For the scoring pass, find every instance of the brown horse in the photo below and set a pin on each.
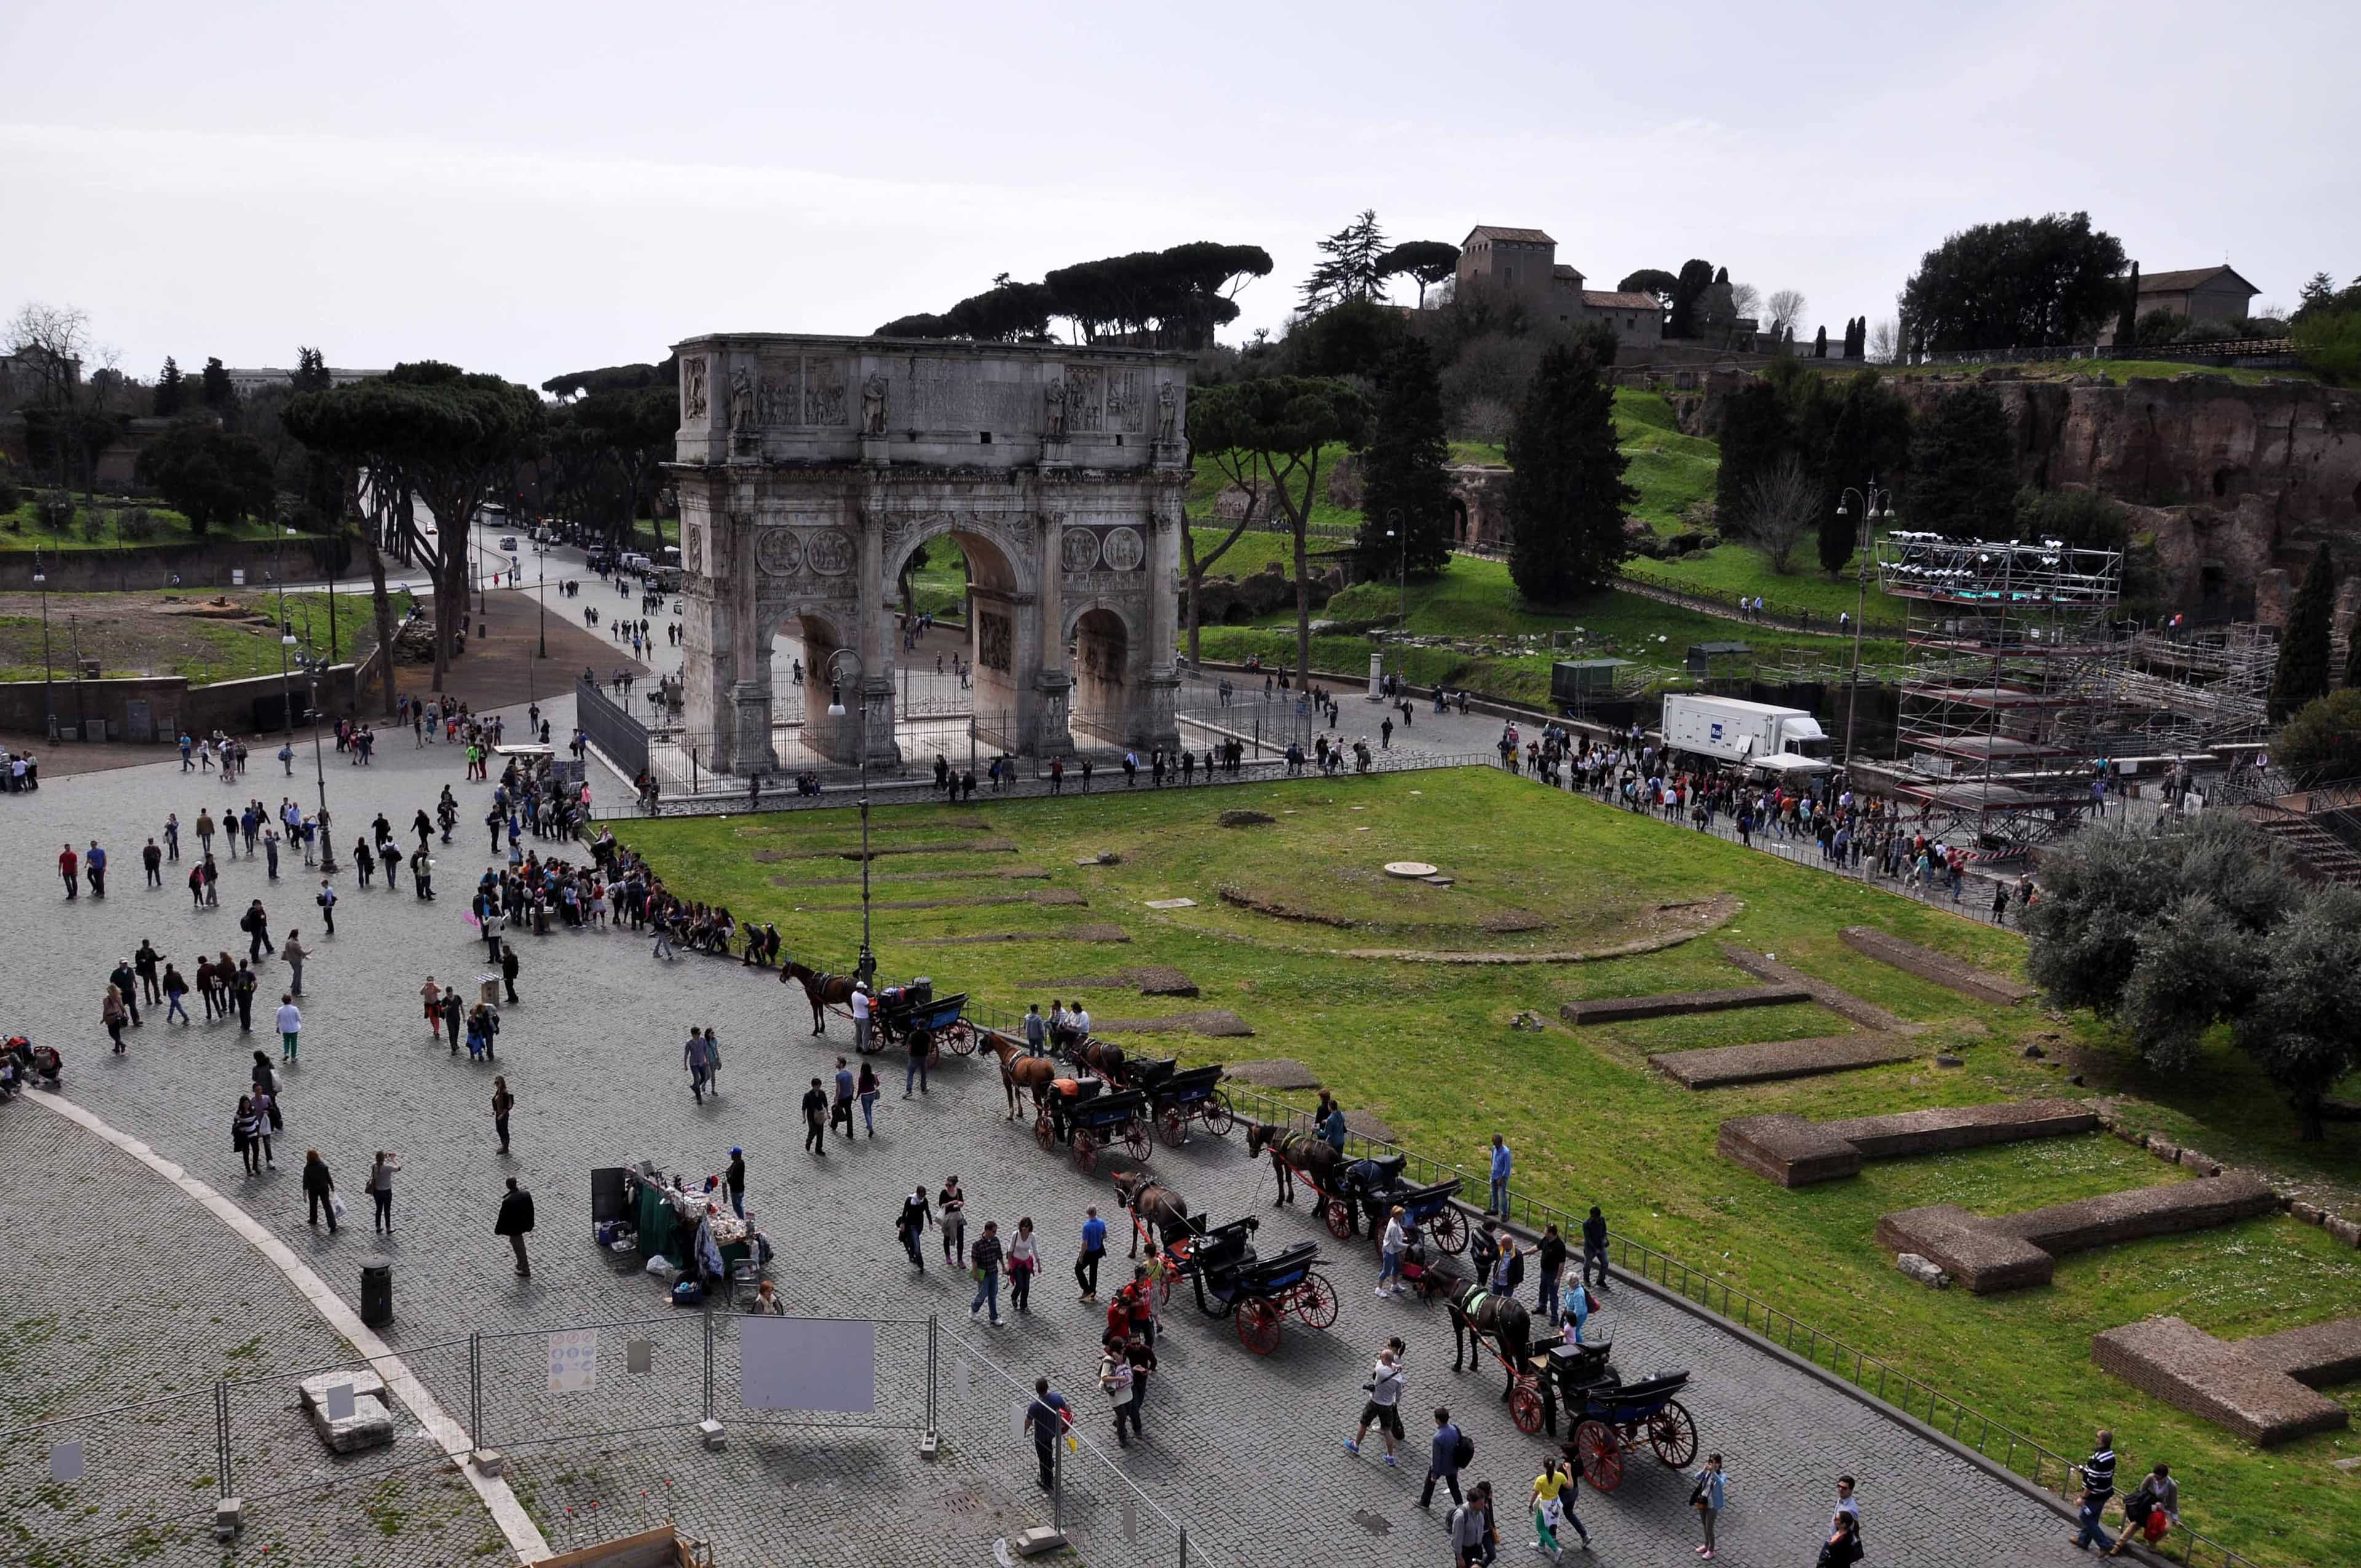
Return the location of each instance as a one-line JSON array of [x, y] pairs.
[[1017, 1071], [819, 990], [1154, 1204], [1102, 1057], [1478, 1315], [1291, 1152]]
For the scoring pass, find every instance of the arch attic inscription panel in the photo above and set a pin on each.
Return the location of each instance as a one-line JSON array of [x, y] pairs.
[[809, 470]]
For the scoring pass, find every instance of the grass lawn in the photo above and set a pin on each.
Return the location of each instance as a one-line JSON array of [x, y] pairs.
[[17, 531], [1732, 568], [1431, 1048], [179, 632]]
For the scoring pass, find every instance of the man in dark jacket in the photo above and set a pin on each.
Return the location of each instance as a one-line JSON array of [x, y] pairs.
[[126, 982], [509, 971], [515, 1222], [1550, 1261], [816, 1119], [1594, 1247]]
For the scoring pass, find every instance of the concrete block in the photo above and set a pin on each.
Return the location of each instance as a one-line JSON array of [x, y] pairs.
[[1965, 979], [1973, 1251], [489, 1462], [2346, 1230], [2189, 1368], [1721, 1065], [1037, 1540], [1788, 1149], [1679, 1004], [711, 1434], [2319, 1355], [371, 1424], [229, 1517], [2165, 1149], [2309, 1213], [1923, 1270]]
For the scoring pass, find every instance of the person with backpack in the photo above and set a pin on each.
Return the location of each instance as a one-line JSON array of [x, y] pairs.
[[1471, 1529], [1382, 1410], [2153, 1509], [1450, 1451]]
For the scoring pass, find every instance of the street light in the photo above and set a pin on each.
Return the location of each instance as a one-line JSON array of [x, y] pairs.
[[48, 688], [1870, 498], [866, 968]]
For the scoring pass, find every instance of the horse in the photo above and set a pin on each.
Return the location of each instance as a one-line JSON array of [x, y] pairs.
[[1102, 1057], [1476, 1312], [1432, 1272], [1153, 1203], [819, 990], [1019, 1070], [1290, 1152]]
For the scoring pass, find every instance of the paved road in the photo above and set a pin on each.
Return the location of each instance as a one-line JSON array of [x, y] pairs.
[[1248, 1451]]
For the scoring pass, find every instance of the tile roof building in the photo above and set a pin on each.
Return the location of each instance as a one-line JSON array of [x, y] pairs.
[[1524, 262]]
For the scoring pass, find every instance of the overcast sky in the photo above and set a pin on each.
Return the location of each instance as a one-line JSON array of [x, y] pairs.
[[532, 187]]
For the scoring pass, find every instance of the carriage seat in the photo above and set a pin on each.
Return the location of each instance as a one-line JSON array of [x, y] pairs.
[[1662, 1383], [1296, 1257]]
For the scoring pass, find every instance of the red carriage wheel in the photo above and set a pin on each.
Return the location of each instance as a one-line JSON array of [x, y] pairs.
[[1086, 1150], [1314, 1301], [1339, 1218], [1672, 1434], [1136, 1141], [1219, 1119], [1259, 1324], [1173, 1127], [1164, 1286], [1449, 1228], [1043, 1133], [960, 1038], [1602, 1452], [1525, 1406]]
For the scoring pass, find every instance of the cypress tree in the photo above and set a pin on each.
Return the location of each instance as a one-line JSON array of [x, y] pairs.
[[2352, 658], [1404, 471], [1820, 343], [1754, 431], [1963, 466], [172, 390], [1567, 494], [2302, 672], [2127, 324]]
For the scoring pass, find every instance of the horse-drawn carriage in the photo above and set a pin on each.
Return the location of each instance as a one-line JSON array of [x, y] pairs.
[[900, 1009], [1179, 1096], [1231, 1280], [1611, 1419], [1095, 1117]]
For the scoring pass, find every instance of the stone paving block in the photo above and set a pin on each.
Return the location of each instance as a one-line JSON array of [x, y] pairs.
[[1768, 1062], [2008, 1251], [2221, 1381], [1965, 979], [1679, 1004]]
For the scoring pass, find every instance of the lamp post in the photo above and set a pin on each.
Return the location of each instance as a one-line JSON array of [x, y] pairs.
[[320, 775], [1871, 497], [866, 968], [48, 688]]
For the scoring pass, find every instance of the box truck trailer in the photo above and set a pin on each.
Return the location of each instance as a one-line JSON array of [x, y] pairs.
[[1750, 734]]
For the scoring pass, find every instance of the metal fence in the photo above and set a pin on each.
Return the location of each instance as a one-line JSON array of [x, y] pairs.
[[612, 728], [1926, 1406]]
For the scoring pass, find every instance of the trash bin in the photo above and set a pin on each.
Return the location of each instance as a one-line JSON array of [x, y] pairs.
[[376, 1294]]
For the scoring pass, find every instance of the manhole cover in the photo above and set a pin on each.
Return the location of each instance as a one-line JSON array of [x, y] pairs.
[[1409, 869]]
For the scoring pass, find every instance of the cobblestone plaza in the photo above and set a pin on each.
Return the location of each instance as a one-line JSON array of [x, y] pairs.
[[121, 1286]]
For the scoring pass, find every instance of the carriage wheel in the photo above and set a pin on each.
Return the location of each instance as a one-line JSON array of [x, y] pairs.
[[1339, 1218], [1672, 1435], [1314, 1301], [1601, 1453], [1136, 1141], [1043, 1133], [1525, 1406], [1219, 1119], [1259, 1324], [1086, 1151], [962, 1038], [1173, 1127], [1164, 1286], [1449, 1228]]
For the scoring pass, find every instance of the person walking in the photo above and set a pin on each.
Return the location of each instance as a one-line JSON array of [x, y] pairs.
[[380, 1190], [125, 978], [1497, 1203], [94, 869], [1024, 1262], [698, 1058], [983, 1266], [1382, 1409], [2153, 1509], [1086, 1263], [508, 972], [114, 1015], [2098, 1486], [1549, 1261], [70, 868], [912, 1226], [1446, 1452], [1554, 1491], [242, 986], [839, 1108], [733, 1181], [951, 1217], [1047, 1419], [175, 987], [503, 1103], [1594, 1247], [327, 899], [816, 1119], [1709, 1497], [291, 1025], [1471, 1527], [1114, 1382], [455, 1014], [294, 952], [920, 1043], [515, 1222], [246, 1135], [152, 859], [868, 1092], [1390, 1255], [319, 1189]]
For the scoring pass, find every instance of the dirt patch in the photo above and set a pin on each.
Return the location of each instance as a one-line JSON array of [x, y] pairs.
[[1240, 899], [1148, 979], [1050, 896], [1091, 933], [1275, 1072], [1244, 819], [1216, 1022], [805, 829], [1508, 922], [1370, 1124], [1011, 873], [955, 847]]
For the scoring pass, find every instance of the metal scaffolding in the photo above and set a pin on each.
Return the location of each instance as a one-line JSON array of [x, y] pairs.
[[2013, 680]]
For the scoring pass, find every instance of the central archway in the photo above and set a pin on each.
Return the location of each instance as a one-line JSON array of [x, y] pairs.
[[999, 642], [1100, 664]]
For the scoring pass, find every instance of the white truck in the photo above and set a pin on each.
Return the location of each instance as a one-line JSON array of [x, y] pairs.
[[1752, 735]]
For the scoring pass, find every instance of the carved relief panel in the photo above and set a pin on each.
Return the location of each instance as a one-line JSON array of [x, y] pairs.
[[994, 640]]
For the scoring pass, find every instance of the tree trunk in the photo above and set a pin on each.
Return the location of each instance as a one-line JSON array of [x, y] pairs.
[[384, 604], [2308, 1117], [1196, 566]]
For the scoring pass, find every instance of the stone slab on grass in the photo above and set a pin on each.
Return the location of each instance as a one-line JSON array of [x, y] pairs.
[[1148, 979], [1965, 979], [1215, 1021], [1844, 1003], [1679, 1004], [2319, 1355], [1794, 1152], [1275, 1072], [1088, 933], [2008, 1251], [1368, 1124], [1768, 1062], [2221, 1381]]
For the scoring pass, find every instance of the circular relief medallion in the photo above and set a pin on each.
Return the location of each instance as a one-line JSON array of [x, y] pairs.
[[828, 552], [779, 552], [1079, 549], [1125, 550]]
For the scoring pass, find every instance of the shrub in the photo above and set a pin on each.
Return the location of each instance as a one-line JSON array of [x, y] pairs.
[[53, 513], [2323, 742], [135, 524]]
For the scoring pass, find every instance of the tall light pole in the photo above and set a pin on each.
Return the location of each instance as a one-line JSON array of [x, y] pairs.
[[320, 774], [1870, 497], [866, 968], [49, 689]]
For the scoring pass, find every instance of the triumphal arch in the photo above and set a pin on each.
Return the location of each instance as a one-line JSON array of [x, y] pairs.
[[810, 469]]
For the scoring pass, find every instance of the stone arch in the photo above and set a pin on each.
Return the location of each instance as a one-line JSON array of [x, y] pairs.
[[1458, 521], [1106, 649], [820, 631], [1000, 594]]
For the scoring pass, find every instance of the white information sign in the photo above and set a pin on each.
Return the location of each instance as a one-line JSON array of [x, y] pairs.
[[573, 1361]]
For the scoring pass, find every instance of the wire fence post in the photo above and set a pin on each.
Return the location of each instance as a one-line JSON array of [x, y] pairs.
[[934, 1327], [475, 1390], [709, 1363], [1057, 1482], [221, 1438], [1184, 1546]]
